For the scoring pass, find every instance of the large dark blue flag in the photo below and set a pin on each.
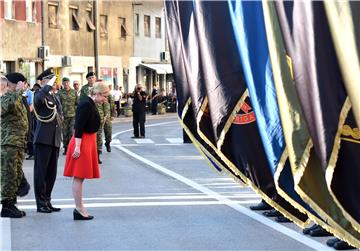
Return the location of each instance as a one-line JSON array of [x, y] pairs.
[[249, 27]]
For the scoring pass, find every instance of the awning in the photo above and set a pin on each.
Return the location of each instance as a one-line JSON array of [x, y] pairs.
[[160, 68]]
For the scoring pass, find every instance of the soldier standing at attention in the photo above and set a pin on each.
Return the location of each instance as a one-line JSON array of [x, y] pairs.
[[69, 101], [14, 128], [85, 90], [47, 140], [110, 113]]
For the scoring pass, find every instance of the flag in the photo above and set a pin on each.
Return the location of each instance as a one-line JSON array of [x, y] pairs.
[[325, 105], [232, 117], [309, 177], [344, 21], [249, 27], [185, 111]]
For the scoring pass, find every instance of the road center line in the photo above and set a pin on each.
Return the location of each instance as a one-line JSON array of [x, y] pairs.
[[276, 226]]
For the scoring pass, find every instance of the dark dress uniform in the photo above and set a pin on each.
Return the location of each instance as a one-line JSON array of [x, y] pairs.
[[47, 140], [138, 110]]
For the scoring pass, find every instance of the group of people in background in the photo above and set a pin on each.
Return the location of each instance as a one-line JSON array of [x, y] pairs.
[[39, 120]]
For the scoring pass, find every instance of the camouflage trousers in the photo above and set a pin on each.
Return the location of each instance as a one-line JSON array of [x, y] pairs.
[[99, 139], [108, 130], [68, 130], [12, 158]]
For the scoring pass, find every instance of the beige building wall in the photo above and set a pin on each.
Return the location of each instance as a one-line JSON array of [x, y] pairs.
[[114, 50]]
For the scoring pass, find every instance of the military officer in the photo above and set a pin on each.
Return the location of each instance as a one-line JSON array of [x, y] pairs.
[[47, 140], [110, 113], [14, 129], [69, 100], [85, 90]]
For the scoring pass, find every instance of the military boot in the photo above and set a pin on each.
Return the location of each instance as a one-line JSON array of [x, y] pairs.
[[9, 210], [99, 160], [24, 187], [108, 147]]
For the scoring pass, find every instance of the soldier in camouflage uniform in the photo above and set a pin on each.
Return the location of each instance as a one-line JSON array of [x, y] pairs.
[[14, 129], [69, 101], [85, 90], [109, 109], [99, 135]]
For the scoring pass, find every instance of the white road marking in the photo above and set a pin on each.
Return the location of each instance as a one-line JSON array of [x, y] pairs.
[[144, 141], [5, 234], [146, 204], [181, 197], [115, 142], [276, 226], [175, 140]]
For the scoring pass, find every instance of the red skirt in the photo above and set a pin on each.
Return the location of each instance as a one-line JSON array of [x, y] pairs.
[[86, 166]]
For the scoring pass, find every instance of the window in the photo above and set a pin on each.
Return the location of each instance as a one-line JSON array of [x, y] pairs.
[[29, 10], [123, 30], [9, 10], [158, 27], [137, 24], [103, 26], [74, 21], [33, 9], [89, 20], [53, 15], [147, 26]]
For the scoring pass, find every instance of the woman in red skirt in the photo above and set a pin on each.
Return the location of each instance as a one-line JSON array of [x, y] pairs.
[[81, 157]]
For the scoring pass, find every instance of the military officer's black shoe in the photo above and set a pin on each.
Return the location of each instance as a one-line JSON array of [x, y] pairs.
[[308, 229], [319, 232], [108, 147], [54, 209], [44, 209], [342, 245], [261, 206], [282, 219], [331, 242], [272, 213]]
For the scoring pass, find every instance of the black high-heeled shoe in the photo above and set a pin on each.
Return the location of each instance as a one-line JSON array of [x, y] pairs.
[[78, 216]]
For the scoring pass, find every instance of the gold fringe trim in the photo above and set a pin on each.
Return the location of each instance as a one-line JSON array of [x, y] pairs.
[[333, 159], [335, 228], [231, 118], [241, 176]]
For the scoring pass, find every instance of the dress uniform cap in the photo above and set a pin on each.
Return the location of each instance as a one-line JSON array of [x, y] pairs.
[[15, 77], [90, 74], [65, 79], [47, 74]]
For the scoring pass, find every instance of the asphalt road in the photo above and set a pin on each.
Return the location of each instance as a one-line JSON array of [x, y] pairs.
[[154, 194]]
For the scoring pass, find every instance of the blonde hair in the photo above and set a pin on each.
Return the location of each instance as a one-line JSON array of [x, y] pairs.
[[99, 87]]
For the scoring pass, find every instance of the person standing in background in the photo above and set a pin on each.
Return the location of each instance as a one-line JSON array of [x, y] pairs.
[[69, 101], [138, 109], [154, 100], [76, 85]]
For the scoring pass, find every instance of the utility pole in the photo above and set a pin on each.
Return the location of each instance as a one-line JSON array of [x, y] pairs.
[[96, 37], [43, 31]]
